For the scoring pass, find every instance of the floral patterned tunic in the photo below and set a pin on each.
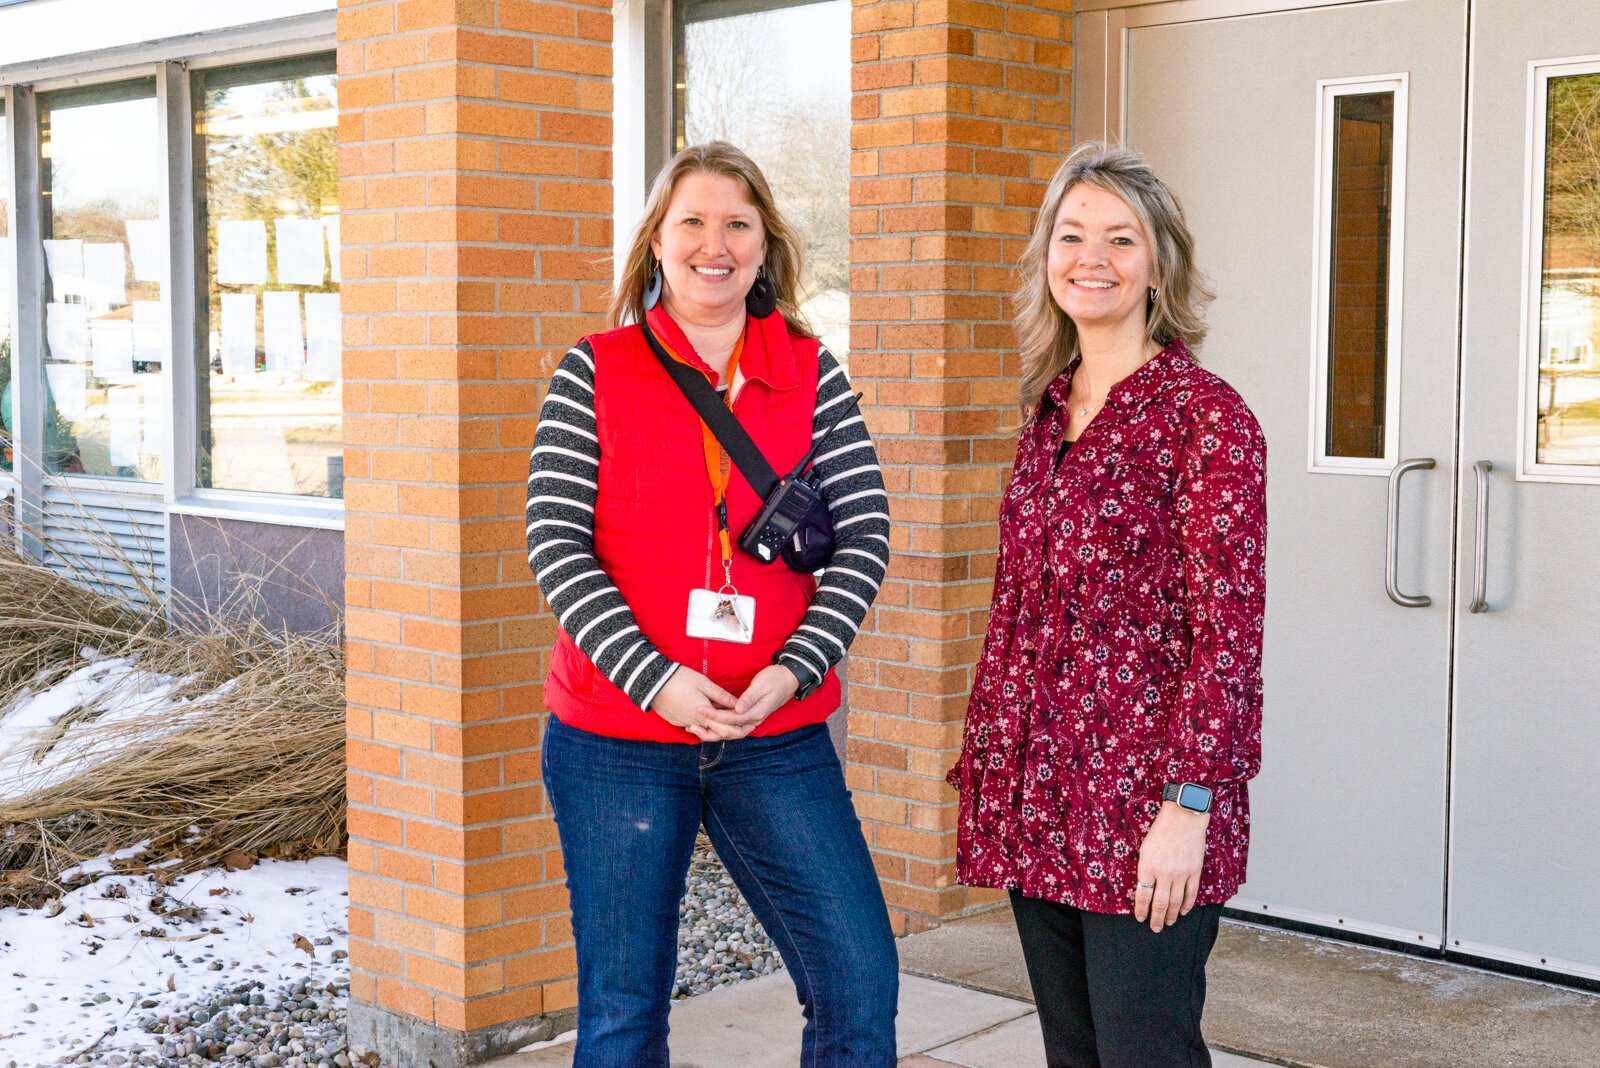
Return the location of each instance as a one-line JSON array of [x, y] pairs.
[[1124, 644]]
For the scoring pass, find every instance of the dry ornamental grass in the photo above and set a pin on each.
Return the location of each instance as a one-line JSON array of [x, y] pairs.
[[241, 755]]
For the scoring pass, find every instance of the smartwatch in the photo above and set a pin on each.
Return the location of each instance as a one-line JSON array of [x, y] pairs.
[[1188, 795], [808, 682]]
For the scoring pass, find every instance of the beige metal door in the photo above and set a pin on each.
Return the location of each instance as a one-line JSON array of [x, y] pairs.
[[1240, 114]]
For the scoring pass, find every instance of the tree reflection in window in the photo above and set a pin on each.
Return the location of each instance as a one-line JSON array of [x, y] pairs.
[[269, 413], [1569, 299]]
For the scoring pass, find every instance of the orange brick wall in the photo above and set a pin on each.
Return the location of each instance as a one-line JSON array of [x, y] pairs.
[[475, 165], [961, 115]]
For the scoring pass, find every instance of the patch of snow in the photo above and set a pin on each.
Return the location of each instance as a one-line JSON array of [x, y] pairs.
[[102, 865], [560, 1040], [106, 940], [123, 692]]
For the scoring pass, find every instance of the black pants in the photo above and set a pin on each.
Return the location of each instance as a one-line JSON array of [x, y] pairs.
[[1111, 993]]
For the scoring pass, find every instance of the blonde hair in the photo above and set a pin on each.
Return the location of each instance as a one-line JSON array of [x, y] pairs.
[[782, 260], [1046, 337]]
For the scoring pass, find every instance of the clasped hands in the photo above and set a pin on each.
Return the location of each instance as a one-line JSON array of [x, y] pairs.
[[712, 714]]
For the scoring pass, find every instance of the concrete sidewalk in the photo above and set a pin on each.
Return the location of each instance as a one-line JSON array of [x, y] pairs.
[[1286, 999], [757, 1025], [1310, 1002]]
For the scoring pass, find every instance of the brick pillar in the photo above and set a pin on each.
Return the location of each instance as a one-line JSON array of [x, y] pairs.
[[961, 114], [475, 166]]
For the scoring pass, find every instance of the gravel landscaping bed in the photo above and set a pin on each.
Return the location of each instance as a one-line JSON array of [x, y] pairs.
[[302, 1024], [719, 940]]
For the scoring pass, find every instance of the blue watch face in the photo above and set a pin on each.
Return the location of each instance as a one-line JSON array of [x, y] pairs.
[[1197, 798]]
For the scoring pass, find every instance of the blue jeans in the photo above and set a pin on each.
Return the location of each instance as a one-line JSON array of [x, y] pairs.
[[780, 817]]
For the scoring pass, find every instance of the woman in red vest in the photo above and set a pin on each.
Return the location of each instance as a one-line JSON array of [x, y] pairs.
[[1115, 718], [690, 680]]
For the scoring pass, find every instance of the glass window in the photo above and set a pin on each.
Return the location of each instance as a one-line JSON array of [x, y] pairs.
[[269, 411], [104, 244], [8, 267], [1569, 289], [777, 84], [1358, 283]]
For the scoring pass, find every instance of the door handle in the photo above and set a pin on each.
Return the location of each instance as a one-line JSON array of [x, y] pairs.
[[1392, 538], [1480, 558]]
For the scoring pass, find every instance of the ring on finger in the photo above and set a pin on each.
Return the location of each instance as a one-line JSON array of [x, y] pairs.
[[1147, 886]]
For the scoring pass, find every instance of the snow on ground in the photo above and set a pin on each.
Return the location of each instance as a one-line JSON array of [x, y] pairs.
[[35, 753], [126, 947]]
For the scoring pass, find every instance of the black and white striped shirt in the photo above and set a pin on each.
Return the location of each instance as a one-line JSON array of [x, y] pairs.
[[562, 486]]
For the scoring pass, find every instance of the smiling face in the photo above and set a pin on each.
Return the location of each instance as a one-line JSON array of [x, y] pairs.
[[1101, 264], [710, 245]]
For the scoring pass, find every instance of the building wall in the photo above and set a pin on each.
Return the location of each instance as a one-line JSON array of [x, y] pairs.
[[45, 31], [475, 157], [287, 577], [961, 115]]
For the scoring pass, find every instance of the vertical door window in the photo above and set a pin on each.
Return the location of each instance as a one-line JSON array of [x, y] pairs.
[[104, 249], [8, 281], [1568, 294], [1362, 141], [269, 409], [776, 83]]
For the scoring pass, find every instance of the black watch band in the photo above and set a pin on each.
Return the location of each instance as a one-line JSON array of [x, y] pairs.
[[808, 682], [1189, 795]]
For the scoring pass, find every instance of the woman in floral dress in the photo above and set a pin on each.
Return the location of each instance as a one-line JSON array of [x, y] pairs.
[[1116, 715]]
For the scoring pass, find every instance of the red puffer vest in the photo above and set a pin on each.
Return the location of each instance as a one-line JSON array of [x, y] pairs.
[[654, 529]]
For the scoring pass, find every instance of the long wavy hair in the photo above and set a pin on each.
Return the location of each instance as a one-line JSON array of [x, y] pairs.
[[782, 260], [1047, 337]]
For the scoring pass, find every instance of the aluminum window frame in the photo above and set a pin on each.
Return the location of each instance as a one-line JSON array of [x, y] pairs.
[[1540, 73], [171, 63], [1329, 90], [192, 498]]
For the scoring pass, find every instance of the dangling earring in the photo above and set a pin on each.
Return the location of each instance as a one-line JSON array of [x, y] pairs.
[[762, 300], [652, 289], [1154, 293]]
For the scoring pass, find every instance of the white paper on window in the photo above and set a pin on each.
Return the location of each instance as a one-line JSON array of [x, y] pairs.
[[239, 333], [65, 260], [242, 252], [149, 331], [300, 260], [69, 387], [155, 408], [127, 433], [111, 343], [331, 225], [147, 245], [66, 328], [280, 327], [324, 338], [105, 269]]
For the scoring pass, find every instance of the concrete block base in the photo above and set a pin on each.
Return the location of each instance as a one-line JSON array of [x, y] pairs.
[[402, 1041]]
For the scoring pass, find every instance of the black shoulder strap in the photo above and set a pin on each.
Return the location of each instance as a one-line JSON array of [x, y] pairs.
[[733, 437]]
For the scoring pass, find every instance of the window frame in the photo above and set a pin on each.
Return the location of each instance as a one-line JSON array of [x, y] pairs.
[[171, 64], [1540, 73], [1329, 91]]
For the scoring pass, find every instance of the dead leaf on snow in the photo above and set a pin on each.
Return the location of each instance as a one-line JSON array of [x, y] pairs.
[[239, 860], [300, 942], [172, 982]]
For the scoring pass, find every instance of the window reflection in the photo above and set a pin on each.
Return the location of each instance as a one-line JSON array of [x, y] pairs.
[[1569, 299], [777, 84], [269, 415], [1358, 297], [104, 244]]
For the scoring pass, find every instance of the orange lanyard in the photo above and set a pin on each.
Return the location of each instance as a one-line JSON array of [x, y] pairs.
[[718, 466]]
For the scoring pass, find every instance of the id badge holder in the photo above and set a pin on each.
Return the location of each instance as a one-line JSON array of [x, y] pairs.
[[721, 615]]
